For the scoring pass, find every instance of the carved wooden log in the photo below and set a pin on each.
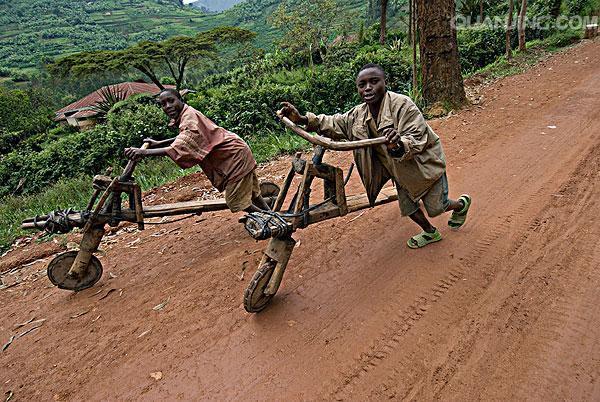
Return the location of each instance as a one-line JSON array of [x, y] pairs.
[[328, 143], [591, 31]]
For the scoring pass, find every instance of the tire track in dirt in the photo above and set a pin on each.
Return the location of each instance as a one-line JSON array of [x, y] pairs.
[[391, 338], [566, 326], [527, 283]]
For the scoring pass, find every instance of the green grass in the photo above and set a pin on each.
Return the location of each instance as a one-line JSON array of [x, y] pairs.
[[266, 147]]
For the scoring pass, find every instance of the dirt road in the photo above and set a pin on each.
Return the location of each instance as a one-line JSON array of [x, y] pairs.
[[506, 308]]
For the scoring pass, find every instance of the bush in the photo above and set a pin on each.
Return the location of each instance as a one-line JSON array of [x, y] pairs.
[[582, 7], [76, 153], [479, 46], [22, 114], [562, 39]]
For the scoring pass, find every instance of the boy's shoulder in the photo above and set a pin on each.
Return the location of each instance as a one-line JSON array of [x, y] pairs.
[[399, 98], [191, 117]]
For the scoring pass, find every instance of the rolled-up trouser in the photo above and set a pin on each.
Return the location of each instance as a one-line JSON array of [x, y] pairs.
[[435, 199], [239, 195]]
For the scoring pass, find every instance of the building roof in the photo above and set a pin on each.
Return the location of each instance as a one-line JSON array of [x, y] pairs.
[[84, 107]]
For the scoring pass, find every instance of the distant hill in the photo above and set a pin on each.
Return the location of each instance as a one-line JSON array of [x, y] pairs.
[[34, 31], [215, 5], [37, 31]]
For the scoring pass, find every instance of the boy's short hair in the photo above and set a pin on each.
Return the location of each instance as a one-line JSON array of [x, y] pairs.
[[371, 65], [171, 91]]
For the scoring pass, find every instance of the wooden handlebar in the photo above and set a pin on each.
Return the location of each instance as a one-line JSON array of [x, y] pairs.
[[131, 165], [328, 143]]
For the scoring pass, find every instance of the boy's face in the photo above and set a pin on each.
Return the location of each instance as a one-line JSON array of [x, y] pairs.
[[371, 85], [170, 104]]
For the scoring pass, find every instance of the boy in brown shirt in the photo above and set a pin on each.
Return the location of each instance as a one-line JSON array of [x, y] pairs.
[[224, 157]]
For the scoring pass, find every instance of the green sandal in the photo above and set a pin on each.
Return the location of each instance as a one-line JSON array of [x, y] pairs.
[[458, 218], [423, 239]]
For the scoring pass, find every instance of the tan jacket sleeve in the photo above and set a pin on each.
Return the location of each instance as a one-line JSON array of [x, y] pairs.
[[336, 127], [413, 129]]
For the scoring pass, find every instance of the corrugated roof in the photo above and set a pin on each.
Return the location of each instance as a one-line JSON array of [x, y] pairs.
[[81, 108]]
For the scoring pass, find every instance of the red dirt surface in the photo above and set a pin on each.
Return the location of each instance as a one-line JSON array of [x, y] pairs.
[[504, 309]]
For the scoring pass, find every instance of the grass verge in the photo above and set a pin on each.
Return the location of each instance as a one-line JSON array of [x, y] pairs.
[[536, 51]]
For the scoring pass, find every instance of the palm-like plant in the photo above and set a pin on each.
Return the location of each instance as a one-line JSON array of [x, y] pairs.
[[111, 95]]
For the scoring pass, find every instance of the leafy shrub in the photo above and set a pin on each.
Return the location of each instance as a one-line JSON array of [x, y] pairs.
[[479, 46], [5, 72], [22, 114], [75, 153], [563, 38], [582, 7]]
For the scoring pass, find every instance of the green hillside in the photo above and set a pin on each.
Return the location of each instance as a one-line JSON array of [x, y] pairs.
[[36, 31]]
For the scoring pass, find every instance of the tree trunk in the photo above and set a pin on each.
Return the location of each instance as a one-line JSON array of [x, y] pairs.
[[383, 22], [522, 16], [480, 11], [440, 62], [181, 74], [509, 27], [150, 74], [555, 8], [413, 41]]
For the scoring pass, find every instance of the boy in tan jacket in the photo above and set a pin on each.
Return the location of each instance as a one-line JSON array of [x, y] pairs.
[[413, 158]]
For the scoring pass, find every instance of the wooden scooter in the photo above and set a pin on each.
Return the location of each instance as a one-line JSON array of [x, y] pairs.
[[78, 270], [280, 224]]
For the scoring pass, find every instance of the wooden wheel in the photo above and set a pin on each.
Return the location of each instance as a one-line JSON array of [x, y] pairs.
[[60, 265], [255, 299]]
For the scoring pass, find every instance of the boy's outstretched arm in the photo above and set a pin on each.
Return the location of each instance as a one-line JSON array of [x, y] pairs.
[[159, 143], [136, 154], [335, 127]]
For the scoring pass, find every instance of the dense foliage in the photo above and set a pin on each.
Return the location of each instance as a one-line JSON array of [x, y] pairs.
[[22, 114], [63, 152]]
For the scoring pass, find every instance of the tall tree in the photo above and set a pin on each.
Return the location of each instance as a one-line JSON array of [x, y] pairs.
[[309, 24], [173, 55], [440, 63], [509, 28], [383, 22], [522, 23]]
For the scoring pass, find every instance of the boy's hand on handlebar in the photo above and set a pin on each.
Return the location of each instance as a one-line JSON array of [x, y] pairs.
[[392, 136], [135, 154], [291, 112]]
